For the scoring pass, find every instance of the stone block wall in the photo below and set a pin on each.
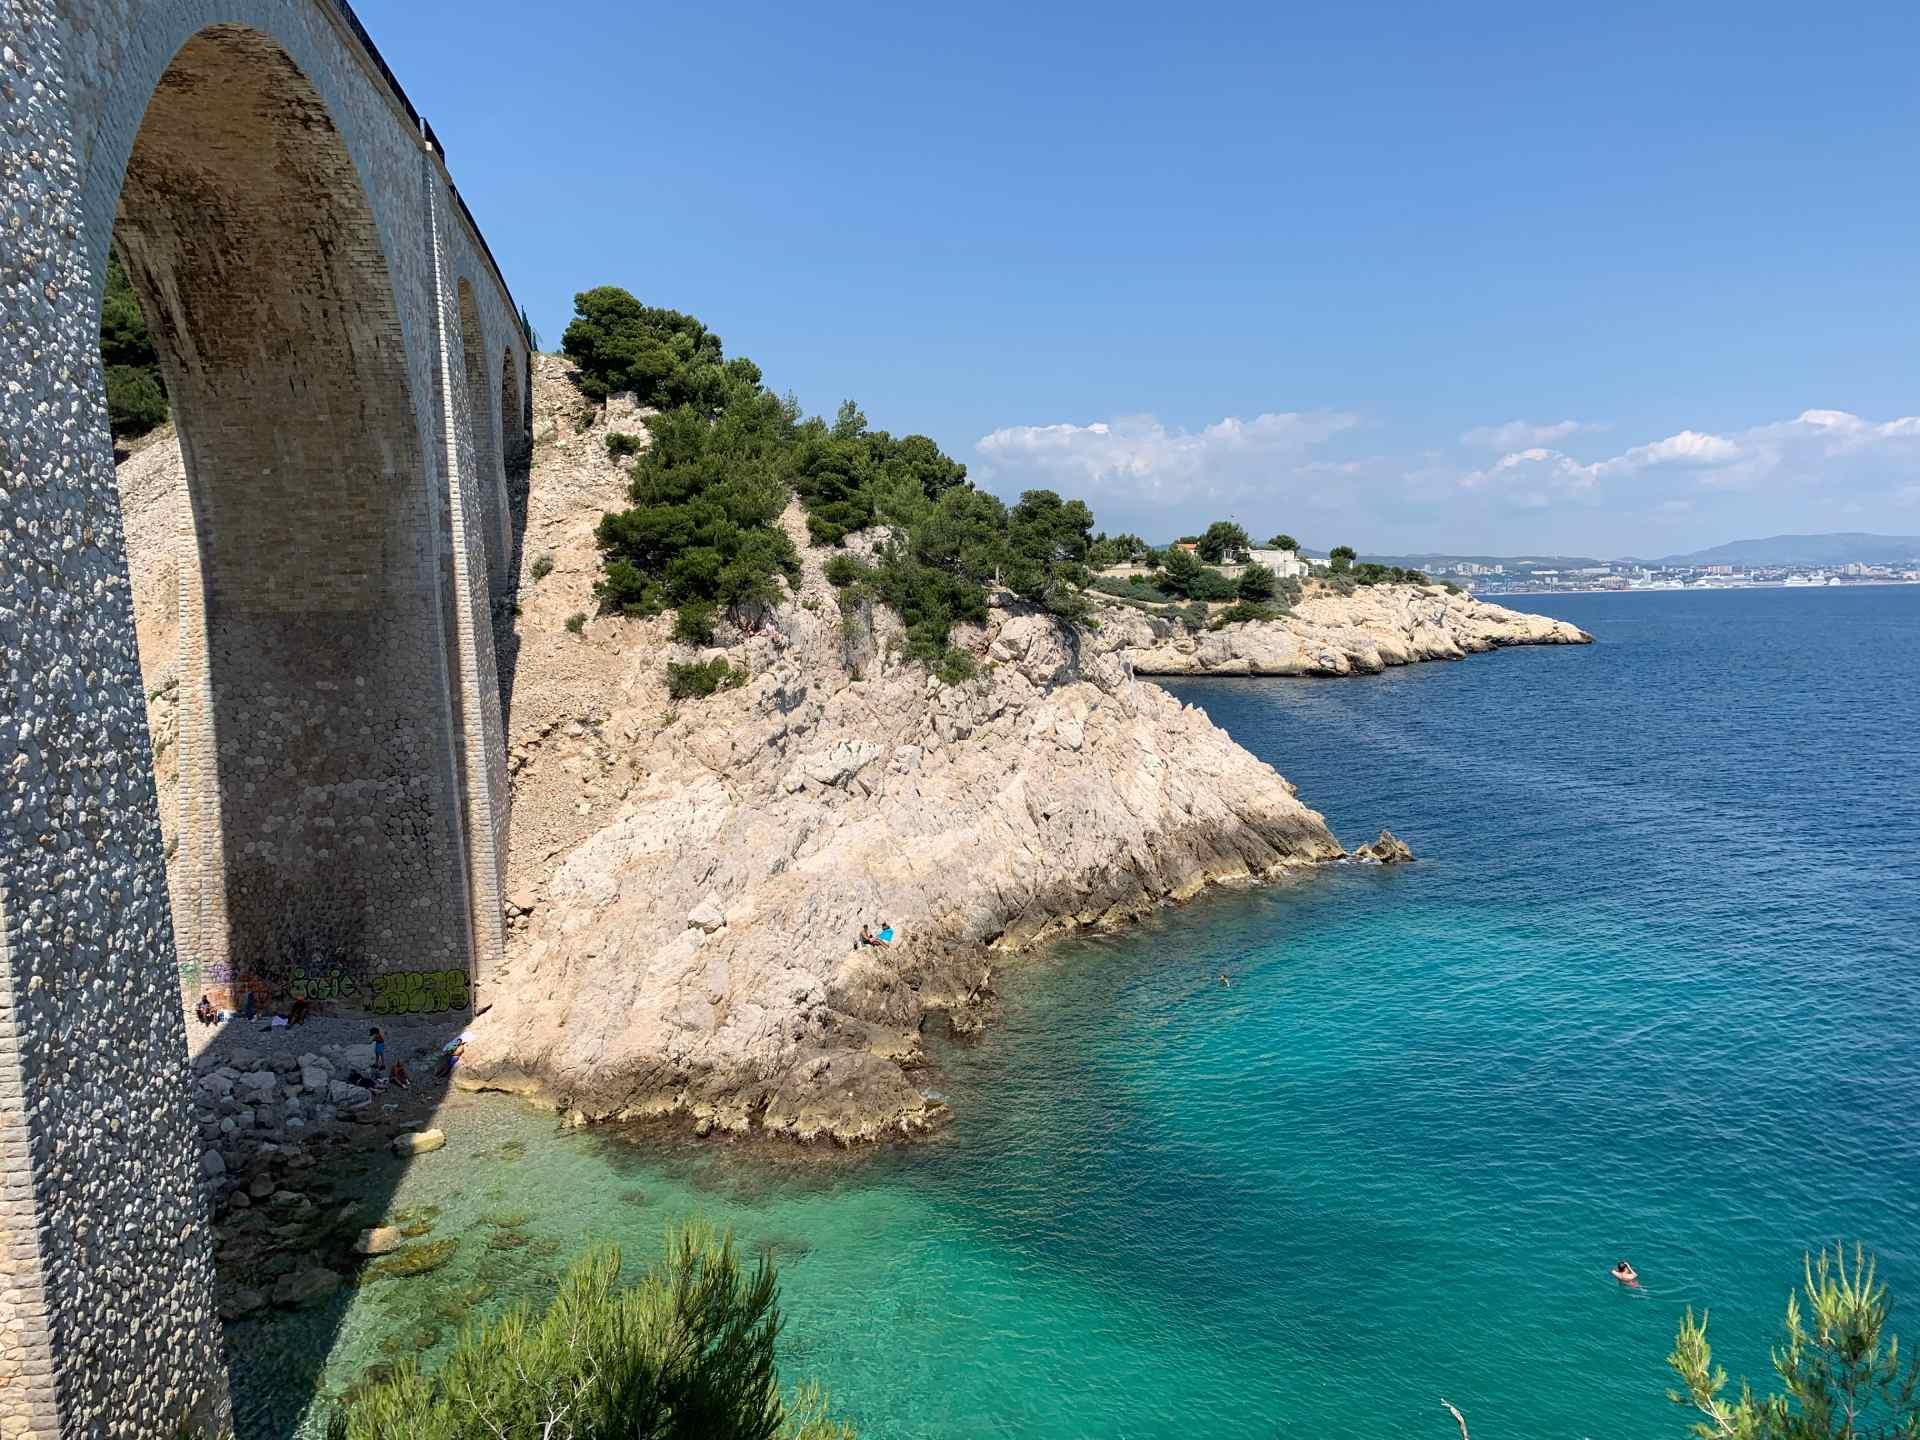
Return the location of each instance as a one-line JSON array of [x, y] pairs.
[[296, 250]]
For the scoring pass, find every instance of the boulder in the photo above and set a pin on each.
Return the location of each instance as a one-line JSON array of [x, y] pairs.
[[238, 1301], [1389, 849], [299, 1287], [212, 1165], [419, 1142], [315, 1079], [707, 915], [349, 1097]]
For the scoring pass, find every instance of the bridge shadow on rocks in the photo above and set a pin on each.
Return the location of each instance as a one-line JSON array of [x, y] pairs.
[[506, 604], [301, 1174]]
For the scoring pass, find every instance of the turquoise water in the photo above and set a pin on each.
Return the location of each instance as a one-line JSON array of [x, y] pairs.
[[1650, 991]]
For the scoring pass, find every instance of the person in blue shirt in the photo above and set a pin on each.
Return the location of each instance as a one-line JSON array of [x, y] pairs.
[[379, 1038], [885, 936]]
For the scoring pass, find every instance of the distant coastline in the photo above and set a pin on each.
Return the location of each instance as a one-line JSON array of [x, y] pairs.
[[1693, 589]]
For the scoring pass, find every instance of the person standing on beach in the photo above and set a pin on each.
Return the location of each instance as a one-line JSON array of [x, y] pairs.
[[379, 1038]]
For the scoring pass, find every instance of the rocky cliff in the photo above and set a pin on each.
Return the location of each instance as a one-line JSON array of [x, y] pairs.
[[1328, 633], [691, 879]]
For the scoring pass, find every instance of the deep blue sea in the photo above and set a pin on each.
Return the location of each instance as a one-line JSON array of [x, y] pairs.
[[1652, 990]]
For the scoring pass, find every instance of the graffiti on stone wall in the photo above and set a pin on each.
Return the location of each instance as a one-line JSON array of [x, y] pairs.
[[418, 992]]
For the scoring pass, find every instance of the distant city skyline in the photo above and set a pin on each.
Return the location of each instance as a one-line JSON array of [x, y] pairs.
[[1480, 278]]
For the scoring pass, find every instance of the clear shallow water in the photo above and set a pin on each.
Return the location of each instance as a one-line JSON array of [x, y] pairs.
[[1650, 991]]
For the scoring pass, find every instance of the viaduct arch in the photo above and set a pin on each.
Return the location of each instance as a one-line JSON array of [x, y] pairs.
[[328, 318]]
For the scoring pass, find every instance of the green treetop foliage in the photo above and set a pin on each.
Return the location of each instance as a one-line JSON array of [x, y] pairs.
[[1368, 572], [1224, 543], [708, 491], [1341, 558], [1124, 549], [136, 395], [1283, 541], [1047, 543], [707, 495], [662, 357], [1842, 1374], [685, 1354], [1183, 575]]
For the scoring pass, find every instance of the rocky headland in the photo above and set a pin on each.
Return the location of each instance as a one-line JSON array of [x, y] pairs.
[[688, 879], [1329, 633]]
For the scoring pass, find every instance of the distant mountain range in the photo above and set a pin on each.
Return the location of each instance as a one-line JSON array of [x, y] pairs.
[[1835, 548]]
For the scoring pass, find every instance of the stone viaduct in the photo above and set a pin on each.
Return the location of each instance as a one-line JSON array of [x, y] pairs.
[[349, 377]]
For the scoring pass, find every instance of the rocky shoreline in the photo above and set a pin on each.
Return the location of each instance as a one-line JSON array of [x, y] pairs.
[[1331, 634]]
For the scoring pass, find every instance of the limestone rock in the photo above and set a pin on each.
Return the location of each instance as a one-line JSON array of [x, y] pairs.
[[1389, 849], [1332, 634], [419, 1142], [694, 950], [212, 1165]]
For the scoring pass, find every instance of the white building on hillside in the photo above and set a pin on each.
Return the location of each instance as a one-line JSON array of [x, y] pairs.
[[1286, 564]]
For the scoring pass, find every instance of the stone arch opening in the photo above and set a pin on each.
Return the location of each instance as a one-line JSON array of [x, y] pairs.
[[515, 452], [490, 481], [320, 833]]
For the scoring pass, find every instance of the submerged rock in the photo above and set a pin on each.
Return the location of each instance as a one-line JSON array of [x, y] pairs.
[[419, 1142]]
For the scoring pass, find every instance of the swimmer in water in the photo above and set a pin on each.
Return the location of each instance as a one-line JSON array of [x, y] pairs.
[[1626, 1274], [1223, 978]]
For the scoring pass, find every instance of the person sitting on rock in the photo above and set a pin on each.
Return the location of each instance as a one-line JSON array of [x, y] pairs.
[[450, 1057], [297, 1014], [866, 937], [885, 937], [204, 1012], [401, 1080], [247, 1010]]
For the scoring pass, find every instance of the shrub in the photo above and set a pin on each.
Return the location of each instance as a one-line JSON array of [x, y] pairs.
[[685, 1354], [620, 444], [1370, 573], [1256, 583], [955, 666], [702, 678], [576, 622], [1210, 584], [844, 570], [1134, 587], [1243, 610], [541, 568], [1193, 615], [694, 624]]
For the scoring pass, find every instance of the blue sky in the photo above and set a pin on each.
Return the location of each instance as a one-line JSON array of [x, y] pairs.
[[1475, 277]]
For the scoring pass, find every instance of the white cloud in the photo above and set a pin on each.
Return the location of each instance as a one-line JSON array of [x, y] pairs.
[[1139, 461], [1523, 434]]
